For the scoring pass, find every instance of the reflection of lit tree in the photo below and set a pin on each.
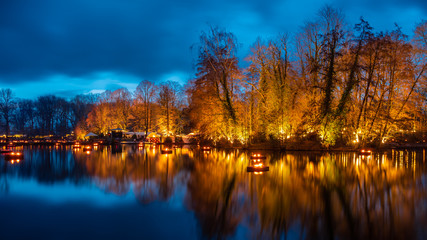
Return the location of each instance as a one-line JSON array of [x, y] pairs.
[[345, 196], [339, 195], [213, 195], [151, 175], [156, 182], [166, 179]]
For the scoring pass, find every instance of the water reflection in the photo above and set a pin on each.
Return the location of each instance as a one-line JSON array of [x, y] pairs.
[[302, 196]]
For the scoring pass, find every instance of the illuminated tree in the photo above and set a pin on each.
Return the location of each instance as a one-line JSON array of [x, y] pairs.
[[99, 119], [143, 111], [214, 89], [420, 74], [168, 111], [272, 80], [332, 38], [308, 52], [121, 100], [81, 105], [353, 68]]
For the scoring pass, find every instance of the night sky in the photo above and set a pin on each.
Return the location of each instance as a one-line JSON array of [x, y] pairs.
[[80, 46]]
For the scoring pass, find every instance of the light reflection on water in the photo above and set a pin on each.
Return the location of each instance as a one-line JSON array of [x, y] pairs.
[[128, 191]]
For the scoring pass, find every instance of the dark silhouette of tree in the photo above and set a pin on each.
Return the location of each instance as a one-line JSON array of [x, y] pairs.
[[7, 105], [24, 117]]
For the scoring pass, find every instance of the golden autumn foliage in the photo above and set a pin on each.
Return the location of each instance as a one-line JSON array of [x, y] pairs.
[[328, 83], [347, 86]]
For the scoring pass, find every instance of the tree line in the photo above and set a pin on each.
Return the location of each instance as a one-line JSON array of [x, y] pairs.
[[329, 81], [151, 107], [46, 115]]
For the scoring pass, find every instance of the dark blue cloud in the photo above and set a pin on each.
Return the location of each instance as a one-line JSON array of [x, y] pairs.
[[149, 39], [77, 39]]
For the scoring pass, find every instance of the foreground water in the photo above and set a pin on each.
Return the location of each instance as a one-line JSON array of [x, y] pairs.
[[129, 193]]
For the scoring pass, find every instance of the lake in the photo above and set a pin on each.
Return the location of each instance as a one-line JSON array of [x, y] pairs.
[[136, 192]]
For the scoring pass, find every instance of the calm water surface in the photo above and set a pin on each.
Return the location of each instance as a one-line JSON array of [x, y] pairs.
[[139, 193]]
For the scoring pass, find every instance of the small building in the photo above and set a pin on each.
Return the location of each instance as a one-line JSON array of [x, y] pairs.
[[117, 133]]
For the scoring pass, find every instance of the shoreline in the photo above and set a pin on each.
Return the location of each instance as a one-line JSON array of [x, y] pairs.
[[297, 147]]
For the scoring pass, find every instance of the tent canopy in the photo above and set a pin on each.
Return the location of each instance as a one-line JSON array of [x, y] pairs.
[[91, 134]]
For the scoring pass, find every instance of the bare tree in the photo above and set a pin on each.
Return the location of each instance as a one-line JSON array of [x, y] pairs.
[[121, 101], [24, 116], [81, 105], [46, 109], [7, 105], [333, 36], [214, 92], [144, 94], [168, 103], [218, 66]]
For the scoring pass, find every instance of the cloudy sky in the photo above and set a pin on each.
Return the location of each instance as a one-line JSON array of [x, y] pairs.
[[72, 47]]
